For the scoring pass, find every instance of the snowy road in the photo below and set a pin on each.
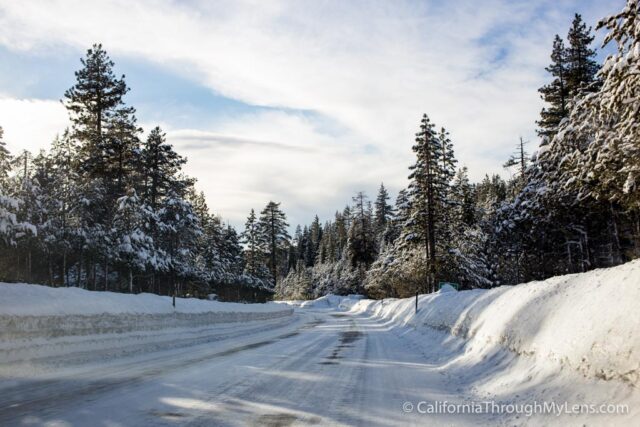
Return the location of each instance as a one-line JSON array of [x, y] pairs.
[[320, 367], [317, 367]]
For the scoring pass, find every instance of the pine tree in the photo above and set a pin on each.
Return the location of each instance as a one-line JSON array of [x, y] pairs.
[[61, 232], [5, 161], [361, 244], [94, 102], [161, 167], [251, 237], [121, 152], [463, 198], [448, 160], [309, 249], [520, 159], [424, 185], [134, 247], [556, 93], [10, 228], [180, 229], [273, 233], [298, 245], [445, 203], [9, 225], [383, 210], [232, 252], [342, 231], [581, 64], [315, 235], [599, 143], [611, 115], [108, 153], [29, 212]]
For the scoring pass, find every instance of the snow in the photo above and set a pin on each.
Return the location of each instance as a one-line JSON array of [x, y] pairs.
[[586, 322], [338, 360], [30, 311], [19, 299], [332, 301], [446, 288]]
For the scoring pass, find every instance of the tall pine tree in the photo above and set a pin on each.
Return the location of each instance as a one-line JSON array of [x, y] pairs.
[[582, 67], [273, 233], [556, 93]]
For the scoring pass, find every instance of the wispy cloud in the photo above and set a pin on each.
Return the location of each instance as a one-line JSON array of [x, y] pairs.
[[201, 140]]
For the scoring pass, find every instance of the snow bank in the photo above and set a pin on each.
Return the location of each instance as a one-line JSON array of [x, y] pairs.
[[588, 322], [36, 311], [333, 301]]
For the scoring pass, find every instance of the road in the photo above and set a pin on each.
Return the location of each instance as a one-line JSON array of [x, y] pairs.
[[315, 368]]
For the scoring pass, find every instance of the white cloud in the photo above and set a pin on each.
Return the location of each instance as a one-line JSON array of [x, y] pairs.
[[280, 157], [31, 124], [369, 69]]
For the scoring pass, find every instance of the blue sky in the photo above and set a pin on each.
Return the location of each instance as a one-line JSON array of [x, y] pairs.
[[300, 102]]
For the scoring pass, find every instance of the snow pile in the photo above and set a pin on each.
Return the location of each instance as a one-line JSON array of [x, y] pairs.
[[333, 301], [447, 288], [588, 322], [39, 311]]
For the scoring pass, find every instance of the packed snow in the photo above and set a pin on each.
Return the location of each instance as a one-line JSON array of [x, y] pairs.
[[40, 323], [29, 311], [34, 300], [332, 301], [586, 322]]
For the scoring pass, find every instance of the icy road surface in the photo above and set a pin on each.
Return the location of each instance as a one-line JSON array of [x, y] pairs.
[[317, 368]]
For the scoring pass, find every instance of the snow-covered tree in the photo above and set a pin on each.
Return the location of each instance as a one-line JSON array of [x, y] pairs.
[[5, 160], [180, 229], [134, 248], [429, 192], [383, 210], [274, 236], [361, 245]]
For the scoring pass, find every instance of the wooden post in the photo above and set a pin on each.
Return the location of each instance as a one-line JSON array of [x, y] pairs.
[[416, 302]]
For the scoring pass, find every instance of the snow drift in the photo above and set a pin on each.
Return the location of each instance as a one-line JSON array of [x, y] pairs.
[[588, 322], [28, 311], [332, 301]]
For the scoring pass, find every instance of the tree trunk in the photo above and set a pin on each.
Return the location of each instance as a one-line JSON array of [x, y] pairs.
[[50, 270], [616, 236], [130, 281], [106, 274], [29, 266], [79, 273], [636, 237], [65, 277], [173, 283]]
